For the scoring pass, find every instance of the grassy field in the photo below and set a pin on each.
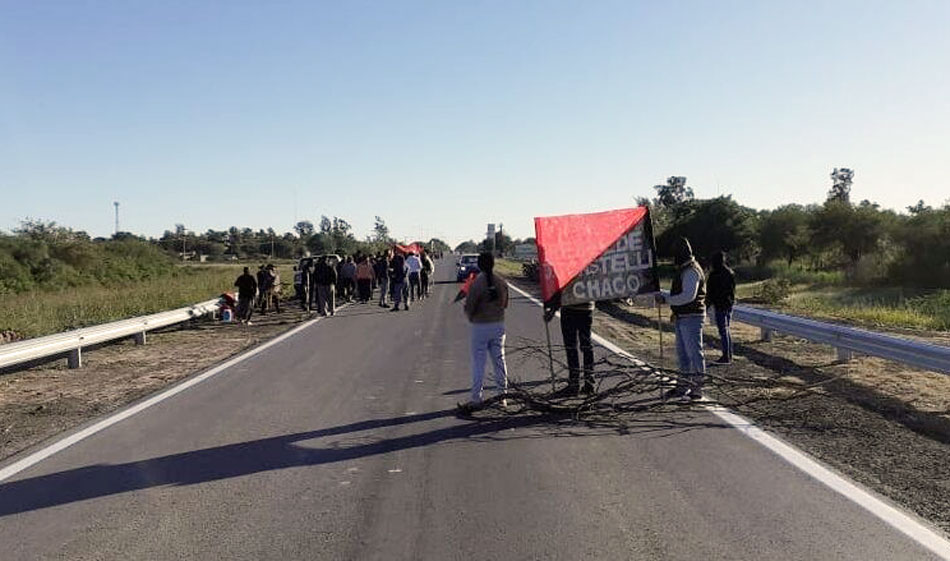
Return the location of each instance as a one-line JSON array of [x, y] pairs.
[[37, 313]]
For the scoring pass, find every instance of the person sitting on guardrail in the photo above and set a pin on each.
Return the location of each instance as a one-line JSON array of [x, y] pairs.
[[721, 295], [687, 299], [247, 290]]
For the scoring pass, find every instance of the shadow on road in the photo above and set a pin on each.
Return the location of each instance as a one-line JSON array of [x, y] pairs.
[[235, 460]]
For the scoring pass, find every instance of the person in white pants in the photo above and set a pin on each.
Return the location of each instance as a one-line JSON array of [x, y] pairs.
[[485, 306]]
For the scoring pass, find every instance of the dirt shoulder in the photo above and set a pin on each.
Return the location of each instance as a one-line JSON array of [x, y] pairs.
[[41, 402], [881, 423]]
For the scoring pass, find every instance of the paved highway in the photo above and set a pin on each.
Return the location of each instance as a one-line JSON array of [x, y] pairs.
[[341, 442]]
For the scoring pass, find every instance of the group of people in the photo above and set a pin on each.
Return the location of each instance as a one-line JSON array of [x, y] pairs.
[[405, 278], [400, 279], [690, 297], [264, 290]]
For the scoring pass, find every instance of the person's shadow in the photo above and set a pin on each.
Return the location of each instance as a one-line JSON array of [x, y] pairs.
[[232, 460]]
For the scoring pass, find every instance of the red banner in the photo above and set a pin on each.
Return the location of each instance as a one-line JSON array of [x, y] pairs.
[[609, 255], [407, 249]]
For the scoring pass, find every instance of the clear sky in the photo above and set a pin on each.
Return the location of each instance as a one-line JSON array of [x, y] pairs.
[[443, 116]]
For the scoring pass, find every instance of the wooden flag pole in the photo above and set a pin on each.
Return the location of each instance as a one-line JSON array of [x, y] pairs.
[[547, 332]]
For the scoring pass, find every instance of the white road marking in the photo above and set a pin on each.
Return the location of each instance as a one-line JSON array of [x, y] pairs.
[[60, 445], [896, 517], [397, 470]]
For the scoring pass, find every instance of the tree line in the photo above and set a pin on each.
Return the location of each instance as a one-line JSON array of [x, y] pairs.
[[867, 243], [45, 255]]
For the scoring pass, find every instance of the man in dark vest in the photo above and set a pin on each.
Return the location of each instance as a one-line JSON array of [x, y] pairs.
[[687, 302]]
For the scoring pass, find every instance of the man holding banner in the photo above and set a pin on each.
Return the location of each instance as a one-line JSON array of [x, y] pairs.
[[576, 323], [584, 258], [687, 302]]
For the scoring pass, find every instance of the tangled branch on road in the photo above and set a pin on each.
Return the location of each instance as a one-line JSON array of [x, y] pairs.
[[627, 387]]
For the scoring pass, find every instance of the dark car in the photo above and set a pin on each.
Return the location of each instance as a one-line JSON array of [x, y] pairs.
[[465, 266]]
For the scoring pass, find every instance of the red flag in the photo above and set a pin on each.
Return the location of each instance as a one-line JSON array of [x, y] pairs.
[[466, 286], [568, 244]]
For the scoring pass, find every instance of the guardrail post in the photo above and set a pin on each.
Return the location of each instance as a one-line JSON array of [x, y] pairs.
[[844, 355], [140, 338], [766, 333], [75, 358]]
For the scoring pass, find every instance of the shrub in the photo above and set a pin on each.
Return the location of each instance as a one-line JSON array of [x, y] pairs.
[[773, 291]]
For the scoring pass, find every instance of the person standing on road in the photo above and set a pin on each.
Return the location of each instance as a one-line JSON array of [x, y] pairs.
[[306, 274], [272, 294], [687, 302], [348, 276], [247, 290], [382, 278], [428, 268], [326, 279], [364, 280], [576, 322], [485, 306], [397, 277], [722, 296], [415, 267]]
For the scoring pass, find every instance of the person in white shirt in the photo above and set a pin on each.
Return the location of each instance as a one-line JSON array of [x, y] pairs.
[[415, 267]]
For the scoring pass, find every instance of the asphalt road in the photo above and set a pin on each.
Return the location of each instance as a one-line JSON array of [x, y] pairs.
[[341, 442]]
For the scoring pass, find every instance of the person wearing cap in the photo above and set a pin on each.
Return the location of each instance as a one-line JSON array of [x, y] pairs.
[[687, 298]]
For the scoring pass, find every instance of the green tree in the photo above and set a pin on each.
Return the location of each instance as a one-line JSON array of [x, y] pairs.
[[304, 229], [466, 247], [380, 231], [711, 225], [841, 185], [674, 192], [784, 233]]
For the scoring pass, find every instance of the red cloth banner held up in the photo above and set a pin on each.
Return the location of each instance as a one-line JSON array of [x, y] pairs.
[[569, 245]]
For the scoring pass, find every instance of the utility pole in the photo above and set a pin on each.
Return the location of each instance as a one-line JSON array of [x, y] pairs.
[[116, 203]]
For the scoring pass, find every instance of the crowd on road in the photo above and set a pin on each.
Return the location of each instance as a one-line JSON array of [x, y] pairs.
[[399, 278]]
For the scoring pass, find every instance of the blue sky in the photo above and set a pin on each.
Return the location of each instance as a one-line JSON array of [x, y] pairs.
[[444, 116]]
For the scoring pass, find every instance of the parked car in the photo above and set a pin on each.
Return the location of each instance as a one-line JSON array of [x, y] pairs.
[[465, 266]]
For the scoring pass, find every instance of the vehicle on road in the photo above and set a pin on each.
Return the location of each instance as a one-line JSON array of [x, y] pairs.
[[465, 266], [332, 258]]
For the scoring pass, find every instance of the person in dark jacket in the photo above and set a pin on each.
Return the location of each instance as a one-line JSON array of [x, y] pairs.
[[687, 298], [325, 277], [721, 295], [382, 277], [247, 290], [398, 271]]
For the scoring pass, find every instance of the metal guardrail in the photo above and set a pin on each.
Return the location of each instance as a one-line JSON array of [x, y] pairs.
[[72, 342], [848, 340]]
